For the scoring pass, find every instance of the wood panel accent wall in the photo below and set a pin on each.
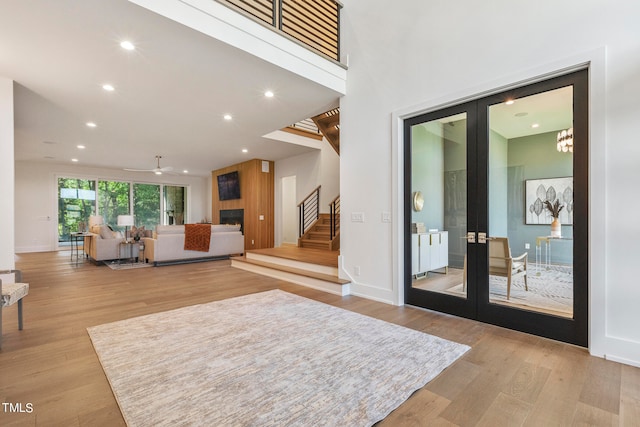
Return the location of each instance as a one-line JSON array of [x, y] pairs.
[[256, 198]]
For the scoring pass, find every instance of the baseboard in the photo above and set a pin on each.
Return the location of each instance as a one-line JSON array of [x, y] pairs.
[[189, 260], [29, 249]]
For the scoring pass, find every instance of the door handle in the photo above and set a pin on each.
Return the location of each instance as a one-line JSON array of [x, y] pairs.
[[471, 237], [482, 238]]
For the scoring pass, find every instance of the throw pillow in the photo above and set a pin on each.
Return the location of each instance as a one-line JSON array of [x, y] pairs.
[[105, 232]]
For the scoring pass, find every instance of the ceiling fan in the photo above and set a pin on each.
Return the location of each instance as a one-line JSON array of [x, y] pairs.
[[157, 170]]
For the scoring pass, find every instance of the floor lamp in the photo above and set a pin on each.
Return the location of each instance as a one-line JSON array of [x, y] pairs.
[[126, 221]]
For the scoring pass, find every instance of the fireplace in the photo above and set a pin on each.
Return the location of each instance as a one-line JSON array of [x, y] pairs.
[[233, 216]]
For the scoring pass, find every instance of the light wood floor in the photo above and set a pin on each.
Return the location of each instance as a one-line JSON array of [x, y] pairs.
[[506, 379]]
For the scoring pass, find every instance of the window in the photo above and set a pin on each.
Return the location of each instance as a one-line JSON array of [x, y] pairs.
[[151, 204], [113, 200], [76, 203], [175, 201], [146, 205]]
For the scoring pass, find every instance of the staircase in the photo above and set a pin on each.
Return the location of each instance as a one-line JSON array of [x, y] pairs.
[[328, 124], [318, 236]]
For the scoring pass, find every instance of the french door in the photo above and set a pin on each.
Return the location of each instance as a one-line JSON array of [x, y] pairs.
[[496, 209]]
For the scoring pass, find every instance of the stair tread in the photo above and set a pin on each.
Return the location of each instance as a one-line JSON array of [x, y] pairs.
[[298, 271]]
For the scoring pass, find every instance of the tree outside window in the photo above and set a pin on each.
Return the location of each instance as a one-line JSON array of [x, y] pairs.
[[113, 200], [146, 205]]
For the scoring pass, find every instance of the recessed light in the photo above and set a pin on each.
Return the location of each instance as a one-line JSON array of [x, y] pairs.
[[126, 44], [81, 147], [185, 171], [158, 173], [74, 160], [91, 124], [510, 102], [268, 94], [244, 150], [108, 87], [535, 125], [228, 117]]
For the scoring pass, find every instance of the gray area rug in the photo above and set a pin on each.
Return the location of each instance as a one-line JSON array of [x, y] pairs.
[[126, 265], [266, 359], [549, 289]]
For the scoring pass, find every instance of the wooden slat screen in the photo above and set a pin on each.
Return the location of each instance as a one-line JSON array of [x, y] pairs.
[[261, 9], [312, 22]]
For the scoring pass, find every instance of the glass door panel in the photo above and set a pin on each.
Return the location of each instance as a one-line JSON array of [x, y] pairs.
[[437, 211], [439, 205], [531, 202]]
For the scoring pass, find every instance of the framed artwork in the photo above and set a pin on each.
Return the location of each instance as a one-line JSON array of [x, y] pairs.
[[537, 191]]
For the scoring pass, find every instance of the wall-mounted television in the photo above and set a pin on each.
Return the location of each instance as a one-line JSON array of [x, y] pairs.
[[229, 186]]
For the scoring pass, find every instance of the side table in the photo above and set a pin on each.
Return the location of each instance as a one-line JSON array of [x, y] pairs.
[[75, 245], [128, 244]]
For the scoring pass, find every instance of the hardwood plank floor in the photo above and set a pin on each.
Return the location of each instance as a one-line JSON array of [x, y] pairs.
[[506, 379]]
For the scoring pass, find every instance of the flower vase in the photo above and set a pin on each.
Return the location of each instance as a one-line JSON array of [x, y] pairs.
[[556, 228]]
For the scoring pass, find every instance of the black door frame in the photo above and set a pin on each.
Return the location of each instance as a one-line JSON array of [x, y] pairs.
[[476, 305]]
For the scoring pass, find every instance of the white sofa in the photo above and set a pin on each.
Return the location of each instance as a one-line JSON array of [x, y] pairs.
[[167, 244], [104, 244]]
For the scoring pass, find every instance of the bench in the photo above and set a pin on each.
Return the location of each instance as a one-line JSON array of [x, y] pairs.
[[12, 293]]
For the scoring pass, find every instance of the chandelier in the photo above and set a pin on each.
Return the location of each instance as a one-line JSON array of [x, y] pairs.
[[565, 141]]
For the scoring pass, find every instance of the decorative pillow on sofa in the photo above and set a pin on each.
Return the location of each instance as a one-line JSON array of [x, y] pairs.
[[105, 232]]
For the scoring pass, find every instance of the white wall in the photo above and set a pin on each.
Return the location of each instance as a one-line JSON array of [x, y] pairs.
[[318, 167], [7, 236], [36, 198], [414, 56]]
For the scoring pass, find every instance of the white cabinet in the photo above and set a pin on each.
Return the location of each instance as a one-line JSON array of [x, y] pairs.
[[429, 251]]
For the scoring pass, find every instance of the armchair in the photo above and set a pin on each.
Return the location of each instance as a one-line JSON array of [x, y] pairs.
[[501, 263]]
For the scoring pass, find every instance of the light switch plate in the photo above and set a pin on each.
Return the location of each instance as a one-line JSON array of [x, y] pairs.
[[357, 216]]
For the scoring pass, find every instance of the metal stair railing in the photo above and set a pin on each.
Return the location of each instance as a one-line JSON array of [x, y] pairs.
[[334, 214], [309, 210]]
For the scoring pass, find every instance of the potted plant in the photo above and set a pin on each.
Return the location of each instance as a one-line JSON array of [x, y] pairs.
[[555, 209]]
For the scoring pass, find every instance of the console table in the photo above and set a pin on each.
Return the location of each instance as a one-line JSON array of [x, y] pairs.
[[547, 253]]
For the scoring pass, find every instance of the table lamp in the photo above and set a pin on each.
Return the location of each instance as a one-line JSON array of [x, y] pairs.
[[126, 221]]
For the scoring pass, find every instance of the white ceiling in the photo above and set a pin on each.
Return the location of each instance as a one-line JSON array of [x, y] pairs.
[[551, 111], [171, 92]]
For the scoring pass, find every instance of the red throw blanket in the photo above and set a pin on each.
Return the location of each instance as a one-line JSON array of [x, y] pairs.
[[197, 237]]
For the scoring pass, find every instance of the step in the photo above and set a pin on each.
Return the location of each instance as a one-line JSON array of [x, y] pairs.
[[318, 235], [325, 282], [330, 270], [316, 244]]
